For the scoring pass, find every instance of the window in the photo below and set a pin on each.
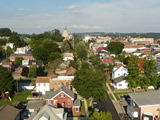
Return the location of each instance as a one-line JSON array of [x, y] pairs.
[[62, 95], [44, 84], [77, 109], [120, 84], [69, 102], [63, 104]]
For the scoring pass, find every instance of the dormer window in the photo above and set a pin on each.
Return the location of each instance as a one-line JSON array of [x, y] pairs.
[[61, 95]]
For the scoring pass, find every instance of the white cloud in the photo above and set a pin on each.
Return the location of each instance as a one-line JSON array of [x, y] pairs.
[[24, 9], [71, 7]]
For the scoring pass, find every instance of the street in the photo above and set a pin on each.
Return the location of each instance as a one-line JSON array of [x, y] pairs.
[[107, 105]]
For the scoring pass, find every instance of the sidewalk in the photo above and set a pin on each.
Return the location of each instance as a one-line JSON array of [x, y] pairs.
[[110, 91]]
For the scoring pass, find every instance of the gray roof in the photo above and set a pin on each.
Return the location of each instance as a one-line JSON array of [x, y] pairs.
[[146, 98], [8, 112], [35, 62], [119, 79], [34, 104], [77, 103], [50, 94], [50, 112]]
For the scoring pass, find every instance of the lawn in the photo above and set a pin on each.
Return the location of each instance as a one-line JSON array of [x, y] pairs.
[[21, 96], [82, 107]]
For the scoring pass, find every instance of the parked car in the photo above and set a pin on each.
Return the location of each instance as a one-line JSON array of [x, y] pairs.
[[95, 105]]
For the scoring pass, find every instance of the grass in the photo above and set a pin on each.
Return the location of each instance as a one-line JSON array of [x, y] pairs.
[[21, 96], [82, 107], [111, 97]]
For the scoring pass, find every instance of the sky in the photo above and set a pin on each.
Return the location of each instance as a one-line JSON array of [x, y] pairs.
[[38, 16]]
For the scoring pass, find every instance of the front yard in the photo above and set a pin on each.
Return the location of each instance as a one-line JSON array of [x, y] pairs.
[[21, 96]]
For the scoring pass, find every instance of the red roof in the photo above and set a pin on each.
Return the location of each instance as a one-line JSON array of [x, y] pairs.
[[103, 48], [107, 60]]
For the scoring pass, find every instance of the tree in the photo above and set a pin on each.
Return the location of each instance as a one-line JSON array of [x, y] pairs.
[[32, 71], [115, 47], [51, 66], [9, 51], [44, 50], [101, 116], [90, 83], [150, 68], [5, 32], [74, 64], [66, 46], [6, 80], [53, 56], [81, 50], [18, 60], [25, 71], [40, 72], [14, 38], [133, 77], [2, 52]]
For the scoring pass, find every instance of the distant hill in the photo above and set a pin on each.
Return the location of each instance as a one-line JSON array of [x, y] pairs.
[[116, 35]]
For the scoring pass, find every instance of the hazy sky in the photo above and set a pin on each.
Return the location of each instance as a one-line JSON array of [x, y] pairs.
[[36, 16]]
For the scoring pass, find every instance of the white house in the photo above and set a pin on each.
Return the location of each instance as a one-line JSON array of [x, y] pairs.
[[68, 56], [23, 50], [120, 83], [42, 84], [11, 45], [119, 71]]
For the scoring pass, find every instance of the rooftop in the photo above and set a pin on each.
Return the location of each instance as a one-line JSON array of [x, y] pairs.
[[146, 98]]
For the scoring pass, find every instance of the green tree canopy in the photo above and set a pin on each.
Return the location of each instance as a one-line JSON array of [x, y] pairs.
[[66, 46], [150, 68], [9, 51], [81, 50], [6, 80], [74, 64], [133, 77], [44, 50], [32, 71], [90, 83], [115, 47], [101, 116], [53, 56], [5, 32], [18, 60]]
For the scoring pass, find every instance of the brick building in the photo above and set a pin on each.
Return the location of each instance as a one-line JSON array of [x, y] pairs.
[[64, 98]]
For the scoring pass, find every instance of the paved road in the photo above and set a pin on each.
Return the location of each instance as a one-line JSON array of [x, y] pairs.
[[107, 105]]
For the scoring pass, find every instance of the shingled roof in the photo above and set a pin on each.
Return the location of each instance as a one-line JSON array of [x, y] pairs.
[[8, 112], [119, 79], [42, 80], [50, 94]]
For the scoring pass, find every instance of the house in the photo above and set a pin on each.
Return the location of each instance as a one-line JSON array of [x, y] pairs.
[[132, 48], [11, 45], [68, 56], [28, 63], [42, 84], [64, 98], [29, 56], [107, 60], [8, 112], [70, 71], [103, 39], [59, 81], [53, 82], [63, 66], [23, 50], [120, 83], [8, 65], [33, 105], [119, 71], [145, 41], [156, 56], [144, 50], [19, 69], [48, 112], [144, 105]]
